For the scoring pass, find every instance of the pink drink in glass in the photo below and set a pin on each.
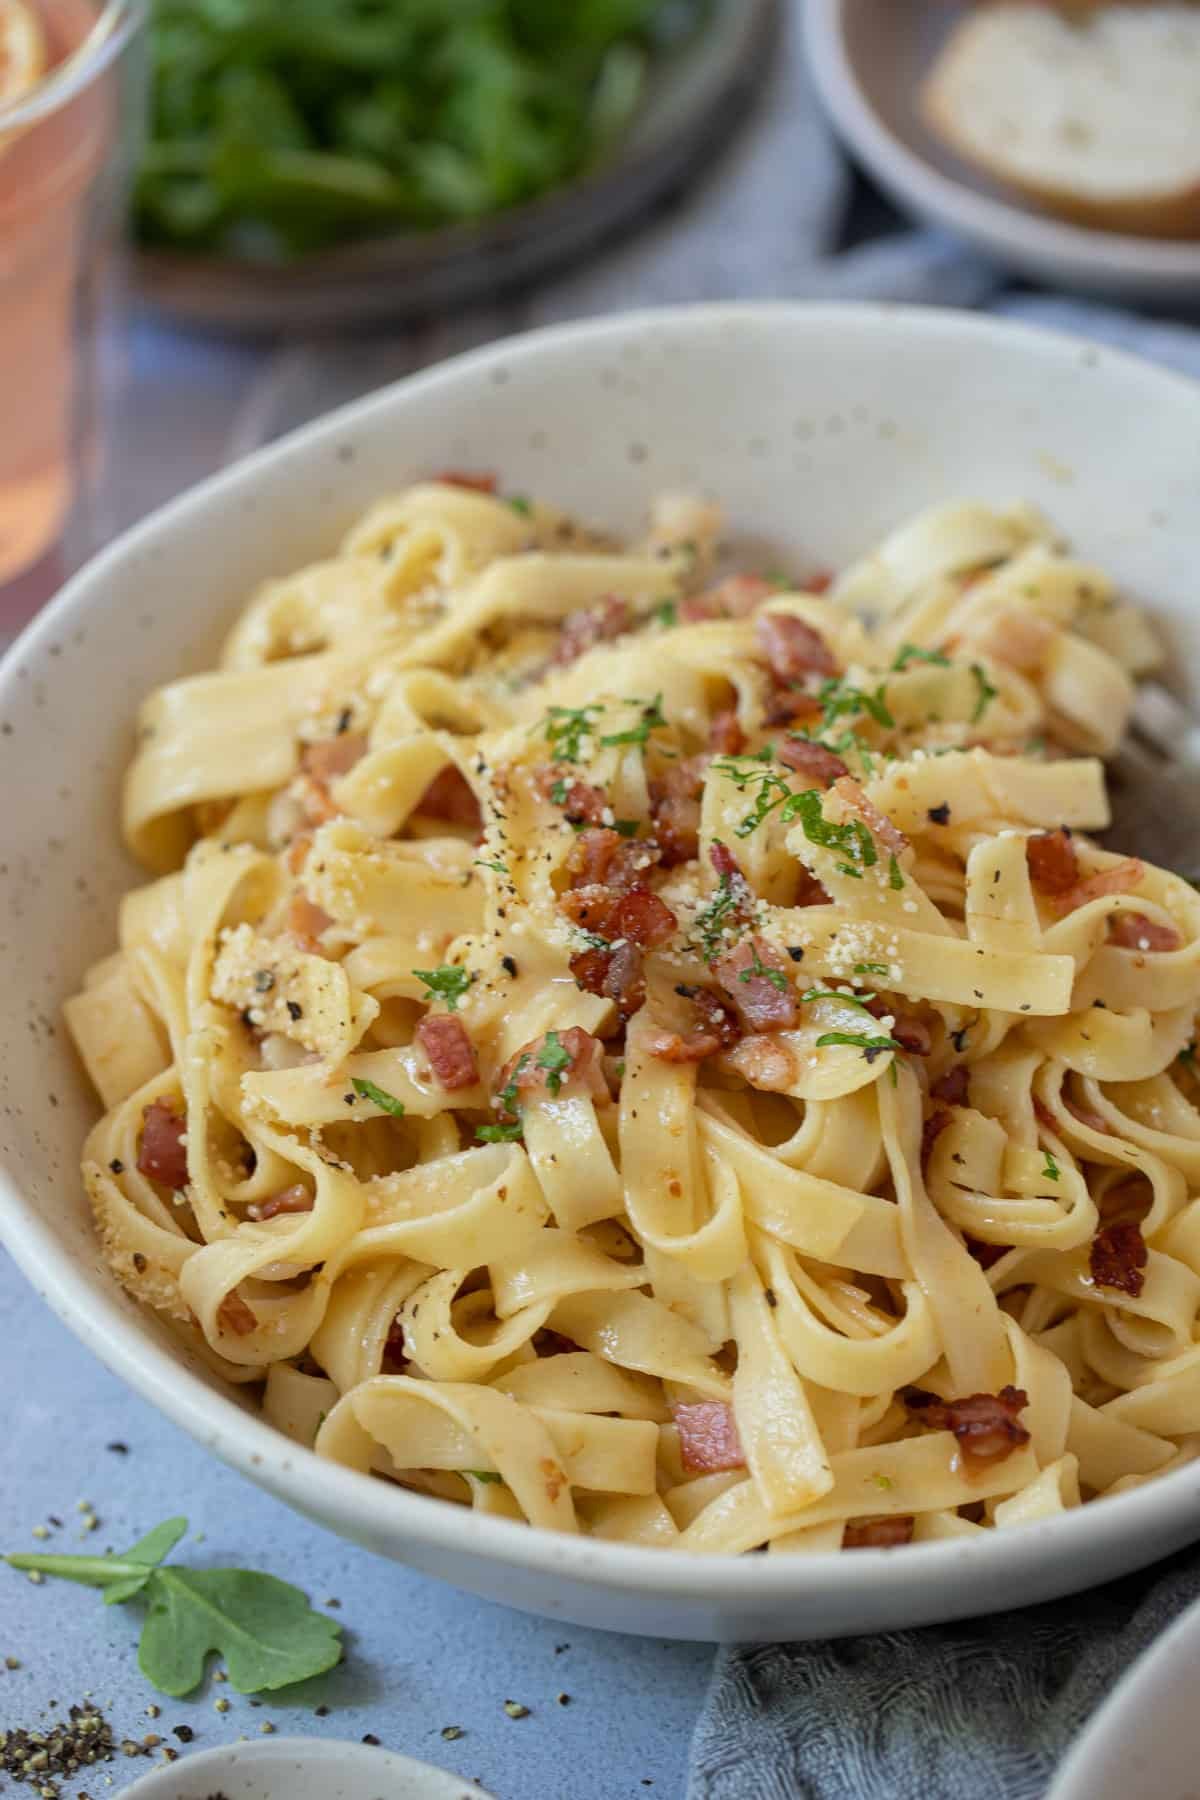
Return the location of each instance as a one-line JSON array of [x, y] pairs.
[[63, 150]]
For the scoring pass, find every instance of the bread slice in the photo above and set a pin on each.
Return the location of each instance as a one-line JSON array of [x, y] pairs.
[[1093, 113]]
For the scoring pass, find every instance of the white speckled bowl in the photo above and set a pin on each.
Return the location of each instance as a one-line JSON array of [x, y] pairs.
[[819, 428], [302, 1769]]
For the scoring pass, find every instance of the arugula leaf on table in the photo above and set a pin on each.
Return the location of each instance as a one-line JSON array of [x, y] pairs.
[[265, 1629]]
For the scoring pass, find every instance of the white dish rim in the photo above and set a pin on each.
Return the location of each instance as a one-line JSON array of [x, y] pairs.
[[1108, 1730], [375, 1762], [373, 1512]]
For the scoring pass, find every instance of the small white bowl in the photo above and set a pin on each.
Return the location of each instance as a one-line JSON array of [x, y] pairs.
[[868, 60], [1145, 1739], [820, 428], [302, 1769]]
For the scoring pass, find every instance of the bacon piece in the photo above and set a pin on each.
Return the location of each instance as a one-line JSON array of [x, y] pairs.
[[1084, 1114], [953, 1086], [606, 871], [819, 582], [792, 648], [162, 1154], [451, 1054], [1053, 863], [734, 598], [1118, 1257], [1134, 931], [724, 862], [462, 478], [582, 804], [715, 1029], [294, 1199], [1019, 639], [931, 1131], [314, 801], [449, 796], [788, 706], [643, 918], [395, 1351], [584, 1069], [297, 852], [985, 1254], [708, 1437], [809, 758], [877, 823], [234, 1315], [809, 891], [765, 1063], [614, 974], [603, 858], [878, 1534], [305, 922], [910, 1032], [591, 625], [985, 1424], [1120, 878], [675, 809], [756, 978], [725, 734], [330, 757]]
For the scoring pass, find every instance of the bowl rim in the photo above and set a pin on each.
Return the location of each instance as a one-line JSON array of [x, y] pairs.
[[1007, 228], [375, 1760], [376, 1513]]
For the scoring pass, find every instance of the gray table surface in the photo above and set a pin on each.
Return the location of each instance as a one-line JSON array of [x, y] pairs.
[[421, 1656]]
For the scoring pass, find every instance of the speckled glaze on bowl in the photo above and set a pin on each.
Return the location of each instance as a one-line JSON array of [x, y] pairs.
[[302, 1769], [819, 428]]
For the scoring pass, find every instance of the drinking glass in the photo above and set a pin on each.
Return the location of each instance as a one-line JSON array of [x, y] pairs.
[[67, 146]]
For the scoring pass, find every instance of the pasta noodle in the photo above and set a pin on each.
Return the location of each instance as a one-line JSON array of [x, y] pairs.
[[658, 1053]]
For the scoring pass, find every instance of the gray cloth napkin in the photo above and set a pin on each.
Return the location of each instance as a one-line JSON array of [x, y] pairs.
[[983, 1709], [980, 1710]]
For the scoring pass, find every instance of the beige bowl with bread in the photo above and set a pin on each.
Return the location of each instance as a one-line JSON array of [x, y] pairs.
[[1063, 143]]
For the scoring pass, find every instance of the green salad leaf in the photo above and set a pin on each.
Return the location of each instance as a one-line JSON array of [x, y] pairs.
[[265, 1629], [279, 127]]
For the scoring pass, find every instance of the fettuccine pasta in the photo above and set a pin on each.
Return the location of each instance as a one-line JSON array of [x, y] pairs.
[[656, 1052]]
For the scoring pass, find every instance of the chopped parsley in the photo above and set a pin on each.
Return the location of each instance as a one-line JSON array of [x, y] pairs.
[[628, 828], [651, 720], [895, 878], [776, 977], [555, 1059], [447, 981], [720, 912], [566, 727], [871, 1047], [388, 1103], [521, 504], [506, 1100], [501, 1134], [882, 1482], [558, 792], [853, 839], [841, 699], [667, 614], [857, 1000], [985, 692], [1187, 1056], [1050, 1168], [910, 653], [870, 968], [498, 867]]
